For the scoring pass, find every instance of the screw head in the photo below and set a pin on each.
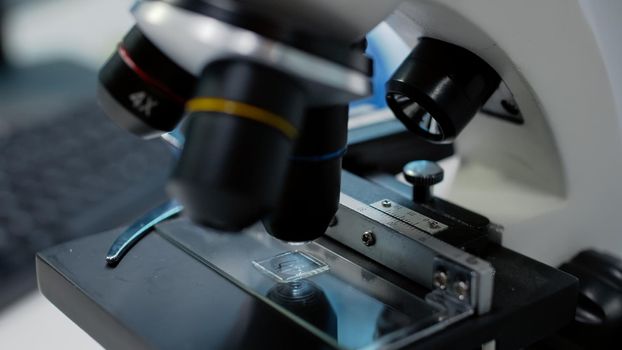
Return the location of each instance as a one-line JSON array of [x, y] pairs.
[[461, 288], [386, 203], [368, 238], [510, 106], [472, 260], [440, 279]]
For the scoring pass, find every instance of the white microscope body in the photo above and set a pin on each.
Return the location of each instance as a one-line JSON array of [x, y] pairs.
[[553, 182]]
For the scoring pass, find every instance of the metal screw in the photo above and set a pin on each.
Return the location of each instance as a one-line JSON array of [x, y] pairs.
[[368, 238], [510, 106], [472, 260], [386, 203], [440, 279], [434, 224], [462, 289]]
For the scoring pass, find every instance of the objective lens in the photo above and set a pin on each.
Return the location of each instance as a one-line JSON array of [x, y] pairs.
[[141, 89], [239, 138], [310, 197]]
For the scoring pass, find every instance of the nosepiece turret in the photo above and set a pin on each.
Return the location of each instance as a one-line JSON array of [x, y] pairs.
[[252, 91]]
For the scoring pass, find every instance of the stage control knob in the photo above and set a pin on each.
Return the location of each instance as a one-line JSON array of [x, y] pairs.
[[423, 174]]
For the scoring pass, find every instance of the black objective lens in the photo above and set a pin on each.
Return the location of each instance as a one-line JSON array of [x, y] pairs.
[[311, 195], [240, 135], [439, 88], [141, 89]]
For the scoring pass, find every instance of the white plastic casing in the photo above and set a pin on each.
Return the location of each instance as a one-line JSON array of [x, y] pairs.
[[554, 182]]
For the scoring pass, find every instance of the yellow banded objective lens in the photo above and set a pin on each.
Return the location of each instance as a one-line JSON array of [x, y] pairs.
[[242, 110]]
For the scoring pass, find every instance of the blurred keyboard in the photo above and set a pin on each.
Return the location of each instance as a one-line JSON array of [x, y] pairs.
[[74, 174]]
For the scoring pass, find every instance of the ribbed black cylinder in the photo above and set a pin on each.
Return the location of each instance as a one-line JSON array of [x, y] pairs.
[[235, 159], [142, 89], [311, 195], [439, 88]]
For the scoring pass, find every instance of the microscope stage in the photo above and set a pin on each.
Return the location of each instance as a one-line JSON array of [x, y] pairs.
[[165, 296]]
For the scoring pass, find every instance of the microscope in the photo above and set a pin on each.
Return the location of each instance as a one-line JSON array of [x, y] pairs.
[[292, 227]]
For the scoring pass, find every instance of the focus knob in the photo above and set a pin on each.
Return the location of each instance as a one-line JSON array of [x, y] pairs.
[[423, 174]]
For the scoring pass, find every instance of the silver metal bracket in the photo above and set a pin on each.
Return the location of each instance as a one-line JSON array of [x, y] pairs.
[[409, 216], [403, 240]]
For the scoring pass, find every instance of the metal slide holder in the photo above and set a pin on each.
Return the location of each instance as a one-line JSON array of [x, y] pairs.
[[140, 229], [404, 242], [145, 224]]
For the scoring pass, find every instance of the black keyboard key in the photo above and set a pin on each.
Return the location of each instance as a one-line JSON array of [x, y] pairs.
[[75, 175]]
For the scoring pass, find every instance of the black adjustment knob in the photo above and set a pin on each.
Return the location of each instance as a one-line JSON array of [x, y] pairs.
[[423, 174], [598, 317]]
